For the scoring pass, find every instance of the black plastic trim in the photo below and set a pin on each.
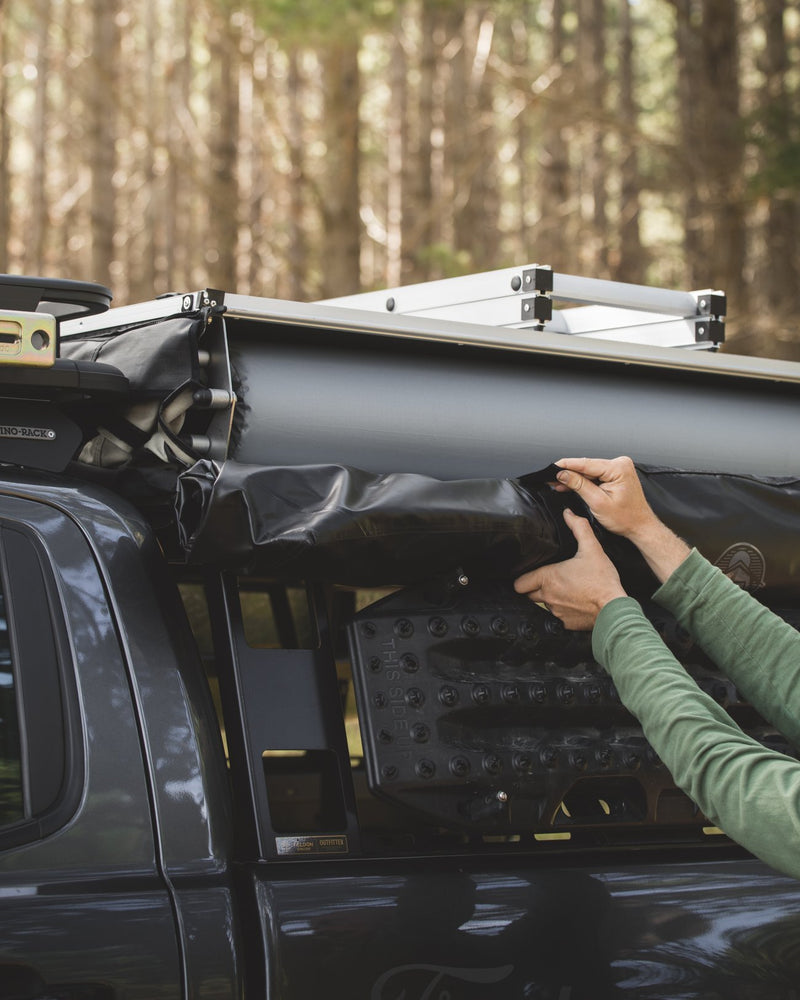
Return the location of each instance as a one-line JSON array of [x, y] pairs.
[[61, 297], [83, 376]]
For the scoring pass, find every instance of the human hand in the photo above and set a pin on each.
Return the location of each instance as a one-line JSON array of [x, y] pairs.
[[611, 490], [577, 589]]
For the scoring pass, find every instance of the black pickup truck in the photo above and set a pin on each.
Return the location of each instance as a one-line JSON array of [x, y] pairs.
[[273, 722]]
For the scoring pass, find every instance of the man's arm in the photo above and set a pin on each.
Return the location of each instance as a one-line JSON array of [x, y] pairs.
[[756, 649], [752, 793]]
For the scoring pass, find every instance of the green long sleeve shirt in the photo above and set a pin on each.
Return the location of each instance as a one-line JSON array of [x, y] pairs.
[[752, 793]]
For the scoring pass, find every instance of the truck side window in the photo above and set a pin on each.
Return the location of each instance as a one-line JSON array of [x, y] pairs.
[[11, 800], [41, 766]]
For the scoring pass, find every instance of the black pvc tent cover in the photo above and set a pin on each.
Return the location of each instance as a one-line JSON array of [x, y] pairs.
[[344, 525]]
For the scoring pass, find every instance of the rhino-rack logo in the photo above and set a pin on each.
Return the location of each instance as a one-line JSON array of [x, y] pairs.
[[745, 565], [19, 433]]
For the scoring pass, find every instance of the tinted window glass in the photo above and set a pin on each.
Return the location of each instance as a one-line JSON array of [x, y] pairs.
[[11, 802]]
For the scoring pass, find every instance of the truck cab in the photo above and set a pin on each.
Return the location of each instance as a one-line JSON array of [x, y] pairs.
[[273, 722]]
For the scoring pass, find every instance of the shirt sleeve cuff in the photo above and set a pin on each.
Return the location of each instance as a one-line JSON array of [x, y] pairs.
[[685, 583], [610, 617]]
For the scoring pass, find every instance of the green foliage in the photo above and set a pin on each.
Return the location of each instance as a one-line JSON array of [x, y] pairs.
[[306, 22], [775, 133]]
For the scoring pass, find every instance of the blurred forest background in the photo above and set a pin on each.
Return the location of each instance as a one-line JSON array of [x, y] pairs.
[[311, 148]]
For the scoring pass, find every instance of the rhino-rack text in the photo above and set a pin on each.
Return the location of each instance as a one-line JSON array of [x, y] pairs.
[[28, 433]]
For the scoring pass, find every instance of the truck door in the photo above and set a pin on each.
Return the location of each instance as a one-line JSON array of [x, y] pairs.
[[84, 909]]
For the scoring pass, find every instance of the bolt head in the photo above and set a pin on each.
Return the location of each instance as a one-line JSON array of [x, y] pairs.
[[492, 764], [470, 626], [437, 627], [448, 696], [523, 762], [415, 697], [548, 756], [480, 694], [409, 663], [425, 768], [538, 692], [404, 628], [459, 767], [499, 626], [603, 757]]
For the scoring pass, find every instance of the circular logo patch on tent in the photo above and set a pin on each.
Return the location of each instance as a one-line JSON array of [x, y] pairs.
[[744, 564]]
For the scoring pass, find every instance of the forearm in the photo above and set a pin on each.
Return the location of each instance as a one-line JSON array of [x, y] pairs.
[[662, 549], [756, 649], [752, 793]]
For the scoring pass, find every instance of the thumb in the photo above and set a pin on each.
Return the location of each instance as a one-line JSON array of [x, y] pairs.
[[572, 480], [581, 529]]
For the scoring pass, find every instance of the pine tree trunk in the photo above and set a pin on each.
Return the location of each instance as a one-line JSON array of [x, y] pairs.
[[781, 275], [102, 110], [340, 195], [419, 233], [523, 134], [298, 241], [725, 150], [223, 224], [142, 247], [36, 229], [5, 138], [693, 139], [553, 233], [459, 110], [471, 142], [396, 151], [593, 252], [484, 244], [631, 266], [180, 223]]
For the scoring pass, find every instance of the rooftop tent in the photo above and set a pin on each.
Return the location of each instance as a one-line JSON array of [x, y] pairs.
[[339, 443]]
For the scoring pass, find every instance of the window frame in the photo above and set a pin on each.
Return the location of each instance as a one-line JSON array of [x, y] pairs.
[[45, 690]]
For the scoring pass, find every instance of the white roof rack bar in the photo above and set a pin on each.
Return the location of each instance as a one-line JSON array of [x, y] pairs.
[[522, 297]]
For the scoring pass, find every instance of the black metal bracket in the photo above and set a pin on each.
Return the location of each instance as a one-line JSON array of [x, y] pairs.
[[711, 310], [539, 309]]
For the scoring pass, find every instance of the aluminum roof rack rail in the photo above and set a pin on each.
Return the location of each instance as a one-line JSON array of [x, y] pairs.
[[522, 298]]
